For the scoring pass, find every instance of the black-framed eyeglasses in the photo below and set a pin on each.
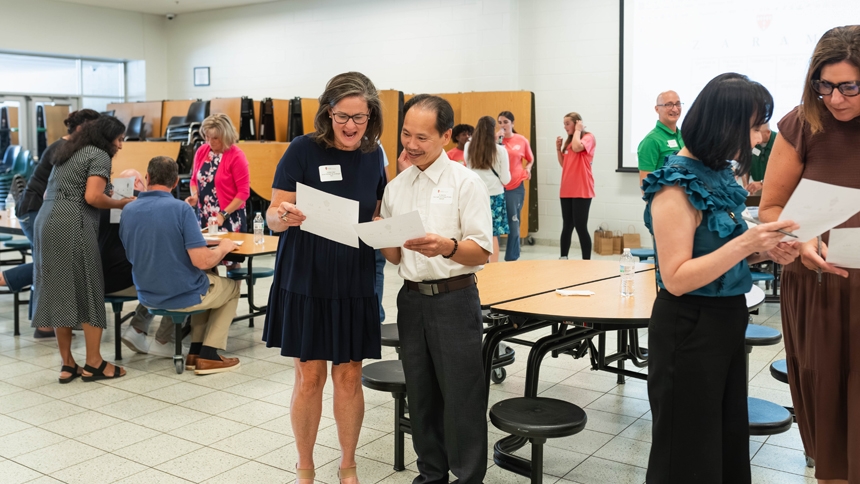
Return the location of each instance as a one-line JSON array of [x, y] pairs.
[[343, 118], [848, 88], [671, 105]]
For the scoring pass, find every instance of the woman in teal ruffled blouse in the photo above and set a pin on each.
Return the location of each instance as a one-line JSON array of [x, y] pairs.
[[696, 365]]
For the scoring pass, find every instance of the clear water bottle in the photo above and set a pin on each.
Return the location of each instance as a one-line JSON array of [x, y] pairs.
[[258, 229], [628, 266], [212, 225], [10, 205]]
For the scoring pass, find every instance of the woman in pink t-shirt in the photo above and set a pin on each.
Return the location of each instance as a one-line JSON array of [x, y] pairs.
[[518, 148], [575, 155]]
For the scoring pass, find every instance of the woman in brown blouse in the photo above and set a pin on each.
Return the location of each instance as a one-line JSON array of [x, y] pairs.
[[820, 140]]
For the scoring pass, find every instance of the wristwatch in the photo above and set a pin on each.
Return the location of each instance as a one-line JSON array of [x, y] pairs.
[[224, 214]]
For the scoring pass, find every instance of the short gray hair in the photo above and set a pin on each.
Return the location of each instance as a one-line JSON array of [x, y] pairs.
[[162, 170]]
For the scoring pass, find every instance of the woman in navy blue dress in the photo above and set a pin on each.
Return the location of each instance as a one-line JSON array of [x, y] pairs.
[[322, 306]]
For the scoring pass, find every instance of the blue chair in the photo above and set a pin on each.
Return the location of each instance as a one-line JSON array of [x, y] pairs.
[[178, 319], [21, 163], [242, 275], [8, 161], [642, 254], [116, 303], [20, 245]]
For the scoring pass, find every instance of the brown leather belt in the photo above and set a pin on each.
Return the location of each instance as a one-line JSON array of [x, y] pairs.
[[432, 288]]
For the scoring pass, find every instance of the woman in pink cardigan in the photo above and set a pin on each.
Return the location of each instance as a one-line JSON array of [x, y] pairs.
[[220, 182]]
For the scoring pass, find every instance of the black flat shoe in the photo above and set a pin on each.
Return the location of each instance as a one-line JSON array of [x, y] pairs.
[[69, 369], [99, 373], [39, 334]]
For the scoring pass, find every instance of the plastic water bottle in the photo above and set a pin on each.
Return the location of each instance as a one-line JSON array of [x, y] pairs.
[[628, 266], [10, 205], [258, 229]]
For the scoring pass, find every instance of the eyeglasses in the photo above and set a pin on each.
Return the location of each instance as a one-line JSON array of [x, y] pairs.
[[848, 89], [671, 105], [343, 118]]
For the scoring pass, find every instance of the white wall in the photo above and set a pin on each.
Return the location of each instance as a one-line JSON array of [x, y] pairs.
[[49, 27], [566, 51]]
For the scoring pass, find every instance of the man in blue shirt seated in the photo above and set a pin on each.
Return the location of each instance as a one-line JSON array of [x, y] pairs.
[[170, 264]]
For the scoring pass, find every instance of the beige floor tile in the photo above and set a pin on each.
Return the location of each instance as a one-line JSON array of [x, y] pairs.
[[252, 443], [45, 480], [638, 430], [133, 407], [8, 389], [286, 457], [221, 381], [144, 383], [57, 391], [626, 451], [254, 413], [9, 425], [592, 380], [117, 436], [157, 450], [282, 398], [556, 462], [328, 436], [81, 423], [216, 402], [577, 396], [382, 450], [105, 468], [607, 423], [252, 472], [13, 402], [762, 475], [585, 442], [152, 476], [497, 475], [14, 473], [64, 454], [368, 471], [783, 459], [37, 378], [179, 393], [98, 397], [27, 440], [169, 418], [209, 430], [46, 412], [632, 407], [599, 471], [202, 464]]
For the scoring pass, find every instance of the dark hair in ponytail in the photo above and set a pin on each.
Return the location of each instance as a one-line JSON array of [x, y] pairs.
[[100, 133], [508, 115], [79, 117]]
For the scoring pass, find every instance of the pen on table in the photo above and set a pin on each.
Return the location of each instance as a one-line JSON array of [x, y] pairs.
[[819, 255], [754, 221]]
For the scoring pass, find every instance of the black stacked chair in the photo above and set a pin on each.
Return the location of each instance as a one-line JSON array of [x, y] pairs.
[[134, 130], [189, 130], [536, 419]]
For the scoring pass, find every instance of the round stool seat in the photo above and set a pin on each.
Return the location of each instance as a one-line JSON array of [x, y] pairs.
[[18, 244], [257, 273], [642, 253], [178, 316], [761, 276], [390, 335], [118, 301], [779, 370], [767, 418], [5, 237], [758, 335], [538, 417], [385, 376]]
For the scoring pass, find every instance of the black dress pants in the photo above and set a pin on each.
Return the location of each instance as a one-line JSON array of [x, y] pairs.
[[697, 386], [440, 345]]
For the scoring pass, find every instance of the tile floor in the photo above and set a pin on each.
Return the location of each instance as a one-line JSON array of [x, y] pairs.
[[155, 426]]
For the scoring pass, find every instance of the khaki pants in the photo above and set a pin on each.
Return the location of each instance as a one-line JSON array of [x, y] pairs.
[[211, 326]]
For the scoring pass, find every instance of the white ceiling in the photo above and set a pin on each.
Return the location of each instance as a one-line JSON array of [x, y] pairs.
[[163, 7]]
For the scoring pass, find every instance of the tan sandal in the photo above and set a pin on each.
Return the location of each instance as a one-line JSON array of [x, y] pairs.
[[305, 473], [346, 473]]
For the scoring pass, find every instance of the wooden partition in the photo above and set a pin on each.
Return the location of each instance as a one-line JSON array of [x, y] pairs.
[[150, 110], [54, 117], [310, 106], [170, 109], [392, 123], [232, 107], [263, 158], [13, 125], [137, 155], [281, 109]]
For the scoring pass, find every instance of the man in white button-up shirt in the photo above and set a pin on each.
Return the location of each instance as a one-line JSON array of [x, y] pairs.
[[438, 308]]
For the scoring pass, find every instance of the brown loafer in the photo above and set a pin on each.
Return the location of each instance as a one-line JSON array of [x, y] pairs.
[[191, 362], [207, 367]]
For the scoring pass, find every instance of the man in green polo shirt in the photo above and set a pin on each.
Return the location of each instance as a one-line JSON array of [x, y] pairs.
[[665, 139], [760, 154]]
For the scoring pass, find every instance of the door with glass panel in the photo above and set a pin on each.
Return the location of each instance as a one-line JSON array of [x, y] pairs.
[[48, 114], [13, 122]]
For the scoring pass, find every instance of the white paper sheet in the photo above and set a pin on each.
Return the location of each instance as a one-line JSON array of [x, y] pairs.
[[328, 216], [818, 207], [124, 187], [391, 232], [573, 292], [843, 249]]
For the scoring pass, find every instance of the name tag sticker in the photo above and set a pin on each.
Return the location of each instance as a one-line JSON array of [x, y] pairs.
[[442, 195], [756, 151], [330, 173], [115, 215], [673, 143]]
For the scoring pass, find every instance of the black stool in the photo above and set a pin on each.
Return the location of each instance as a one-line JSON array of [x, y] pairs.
[[17, 302], [766, 418], [536, 419], [116, 303], [387, 376], [501, 358], [390, 336]]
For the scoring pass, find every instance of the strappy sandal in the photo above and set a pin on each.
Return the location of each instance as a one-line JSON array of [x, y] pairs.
[[70, 369], [346, 473], [305, 473], [99, 373]]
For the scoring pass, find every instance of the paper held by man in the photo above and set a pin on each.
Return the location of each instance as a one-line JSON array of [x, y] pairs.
[[336, 218]]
